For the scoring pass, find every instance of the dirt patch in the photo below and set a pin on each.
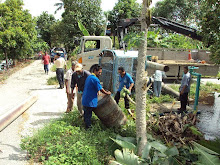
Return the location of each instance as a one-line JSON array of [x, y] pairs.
[[205, 98], [19, 65]]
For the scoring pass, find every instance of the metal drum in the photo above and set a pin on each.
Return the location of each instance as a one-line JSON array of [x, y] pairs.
[[109, 112]]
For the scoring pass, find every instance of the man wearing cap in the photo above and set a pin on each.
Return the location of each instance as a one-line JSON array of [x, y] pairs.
[[68, 78], [60, 63], [78, 79]]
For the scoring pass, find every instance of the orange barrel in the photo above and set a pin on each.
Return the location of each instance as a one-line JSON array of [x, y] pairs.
[[109, 112]]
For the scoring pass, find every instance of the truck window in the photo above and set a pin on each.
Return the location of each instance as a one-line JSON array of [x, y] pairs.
[[92, 45]]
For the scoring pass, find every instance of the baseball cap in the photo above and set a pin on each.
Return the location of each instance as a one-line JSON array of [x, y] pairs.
[[78, 67]]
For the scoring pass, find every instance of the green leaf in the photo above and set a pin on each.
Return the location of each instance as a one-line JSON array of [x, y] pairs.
[[172, 151], [128, 139], [146, 151], [119, 155], [114, 163], [124, 144], [158, 146], [83, 29], [206, 156], [126, 157], [195, 131]]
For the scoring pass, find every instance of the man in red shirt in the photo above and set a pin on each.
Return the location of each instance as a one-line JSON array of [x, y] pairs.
[[46, 60]]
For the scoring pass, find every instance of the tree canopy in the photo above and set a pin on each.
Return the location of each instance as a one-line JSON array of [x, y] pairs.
[[210, 26], [86, 11], [122, 10], [17, 30], [44, 27], [183, 11]]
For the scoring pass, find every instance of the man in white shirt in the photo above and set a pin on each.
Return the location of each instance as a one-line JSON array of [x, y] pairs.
[[158, 76], [60, 63], [68, 78]]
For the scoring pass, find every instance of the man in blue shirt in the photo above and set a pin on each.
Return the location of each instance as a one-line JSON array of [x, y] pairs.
[[124, 80], [184, 89], [90, 94]]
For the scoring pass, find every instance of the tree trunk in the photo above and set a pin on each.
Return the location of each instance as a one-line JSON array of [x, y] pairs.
[[6, 58], [141, 84]]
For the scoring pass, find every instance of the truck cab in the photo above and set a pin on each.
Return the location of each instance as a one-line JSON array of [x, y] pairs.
[[90, 48]]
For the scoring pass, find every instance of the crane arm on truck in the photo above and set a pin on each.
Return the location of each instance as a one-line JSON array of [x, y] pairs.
[[165, 23]]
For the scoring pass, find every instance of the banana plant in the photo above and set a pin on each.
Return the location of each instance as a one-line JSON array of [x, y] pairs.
[[153, 153], [206, 156], [83, 29]]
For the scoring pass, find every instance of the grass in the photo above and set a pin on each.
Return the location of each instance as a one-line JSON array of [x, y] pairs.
[[218, 76], [52, 81], [205, 89], [65, 141], [149, 101]]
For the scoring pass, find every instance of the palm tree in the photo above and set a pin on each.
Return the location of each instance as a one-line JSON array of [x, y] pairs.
[[60, 5]]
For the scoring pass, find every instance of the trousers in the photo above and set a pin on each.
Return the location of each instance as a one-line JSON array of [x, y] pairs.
[[117, 98], [88, 115], [157, 88], [69, 102], [183, 101], [79, 103], [60, 76]]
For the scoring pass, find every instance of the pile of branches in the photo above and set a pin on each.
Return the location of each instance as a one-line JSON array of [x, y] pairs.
[[175, 128]]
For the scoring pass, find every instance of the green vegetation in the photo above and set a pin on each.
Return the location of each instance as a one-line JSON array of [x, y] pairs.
[[44, 27], [17, 32], [52, 81], [65, 141], [155, 152], [204, 88], [203, 15], [161, 99], [218, 76], [158, 40]]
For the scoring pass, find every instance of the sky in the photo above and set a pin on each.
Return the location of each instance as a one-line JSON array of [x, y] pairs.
[[36, 7]]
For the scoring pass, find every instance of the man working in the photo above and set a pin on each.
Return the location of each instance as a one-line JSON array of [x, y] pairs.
[[68, 78], [60, 63], [79, 78], [124, 80], [46, 60], [158, 76], [184, 89], [90, 94]]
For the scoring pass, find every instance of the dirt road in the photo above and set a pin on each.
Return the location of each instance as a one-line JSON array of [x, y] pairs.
[[51, 104]]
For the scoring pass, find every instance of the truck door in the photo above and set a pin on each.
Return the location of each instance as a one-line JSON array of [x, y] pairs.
[[91, 53]]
